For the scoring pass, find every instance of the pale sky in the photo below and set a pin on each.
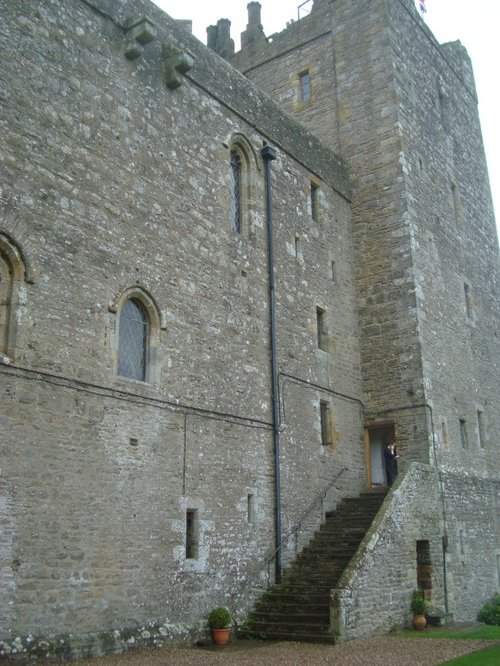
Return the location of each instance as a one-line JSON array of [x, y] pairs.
[[474, 22]]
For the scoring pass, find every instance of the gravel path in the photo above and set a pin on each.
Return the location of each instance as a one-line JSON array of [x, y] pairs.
[[376, 651]]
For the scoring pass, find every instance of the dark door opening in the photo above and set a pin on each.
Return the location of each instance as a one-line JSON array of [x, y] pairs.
[[377, 439]]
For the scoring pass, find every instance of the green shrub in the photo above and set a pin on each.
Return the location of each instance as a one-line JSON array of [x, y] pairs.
[[219, 618], [490, 612], [418, 604]]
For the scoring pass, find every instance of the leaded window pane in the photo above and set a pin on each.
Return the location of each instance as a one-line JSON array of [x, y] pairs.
[[132, 344], [305, 86], [235, 192]]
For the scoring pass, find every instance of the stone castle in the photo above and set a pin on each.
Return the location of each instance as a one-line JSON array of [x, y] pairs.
[[227, 281]]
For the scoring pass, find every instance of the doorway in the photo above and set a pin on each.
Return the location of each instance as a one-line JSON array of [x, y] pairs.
[[376, 439]]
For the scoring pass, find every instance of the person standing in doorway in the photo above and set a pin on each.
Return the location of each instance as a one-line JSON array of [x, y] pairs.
[[391, 464]]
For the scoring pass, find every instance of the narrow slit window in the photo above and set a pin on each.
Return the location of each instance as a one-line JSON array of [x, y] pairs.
[[324, 417], [463, 434], [250, 508], [314, 202], [333, 272], [424, 567], [468, 301], [298, 247], [191, 535], [305, 86], [455, 202], [461, 538], [320, 327], [235, 161], [481, 430], [444, 432]]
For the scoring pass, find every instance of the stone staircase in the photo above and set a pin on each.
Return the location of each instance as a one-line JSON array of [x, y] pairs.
[[299, 608]]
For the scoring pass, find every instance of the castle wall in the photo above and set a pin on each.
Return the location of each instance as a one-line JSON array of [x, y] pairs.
[[454, 241], [117, 184], [373, 595], [275, 66], [456, 268], [426, 250]]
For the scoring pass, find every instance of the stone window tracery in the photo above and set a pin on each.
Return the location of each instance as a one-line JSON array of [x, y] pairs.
[[136, 337], [12, 277], [305, 86], [243, 168], [235, 161], [133, 341]]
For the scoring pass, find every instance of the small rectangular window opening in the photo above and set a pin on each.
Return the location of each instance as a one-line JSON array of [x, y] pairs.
[[468, 301], [461, 537], [298, 247], [455, 202], [305, 86], [424, 568], [250, 509], [323, 413], [333, 275], [444, 432], [463, 434], [320, 326], [481, 429], [314, 202], [191, 534]]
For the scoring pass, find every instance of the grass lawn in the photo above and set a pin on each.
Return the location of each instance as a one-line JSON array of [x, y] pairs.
[[488, 657], [482, 632]]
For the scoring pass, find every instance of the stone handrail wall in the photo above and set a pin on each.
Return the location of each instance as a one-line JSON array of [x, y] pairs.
[[373, 594]]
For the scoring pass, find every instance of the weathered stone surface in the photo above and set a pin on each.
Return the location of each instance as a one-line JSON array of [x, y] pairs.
[[117, 186], [402, 111]]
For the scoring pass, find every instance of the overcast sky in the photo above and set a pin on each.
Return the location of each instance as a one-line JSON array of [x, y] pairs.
[[475, 22]]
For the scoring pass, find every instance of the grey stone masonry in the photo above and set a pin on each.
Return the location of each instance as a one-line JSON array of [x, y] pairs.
[[131, 508], [140, 479], [401, 109]]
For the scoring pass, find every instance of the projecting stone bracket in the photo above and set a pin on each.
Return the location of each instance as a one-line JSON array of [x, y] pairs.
[[176, 63], [140, 31]]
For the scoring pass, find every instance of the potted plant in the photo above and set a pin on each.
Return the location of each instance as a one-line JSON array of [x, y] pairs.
[[219, 621], [418, 607]]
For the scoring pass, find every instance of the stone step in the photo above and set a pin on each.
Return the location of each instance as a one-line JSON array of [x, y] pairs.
[[303, 595], [290, 606], [329, 571], [299, 586], [292, 628], [280, 636], [292, 616], [299, 608]]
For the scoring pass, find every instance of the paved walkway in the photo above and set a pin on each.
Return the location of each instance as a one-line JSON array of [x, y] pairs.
[[375, 651]]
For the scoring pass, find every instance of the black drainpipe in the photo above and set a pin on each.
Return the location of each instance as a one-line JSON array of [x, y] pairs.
[[268, 154]]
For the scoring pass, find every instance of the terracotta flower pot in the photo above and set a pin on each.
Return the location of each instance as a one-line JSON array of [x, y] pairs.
[[419, 622], [220, 636]]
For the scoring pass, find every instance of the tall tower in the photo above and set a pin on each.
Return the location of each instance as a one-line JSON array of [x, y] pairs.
[[373, 83]]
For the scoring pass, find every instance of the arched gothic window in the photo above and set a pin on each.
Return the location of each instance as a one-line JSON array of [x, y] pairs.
[[6, 282], [133, 336], [13, 274], [236, 177]]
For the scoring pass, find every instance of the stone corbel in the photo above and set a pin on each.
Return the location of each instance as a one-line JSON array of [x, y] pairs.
[[176, 63], [140, 31]]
